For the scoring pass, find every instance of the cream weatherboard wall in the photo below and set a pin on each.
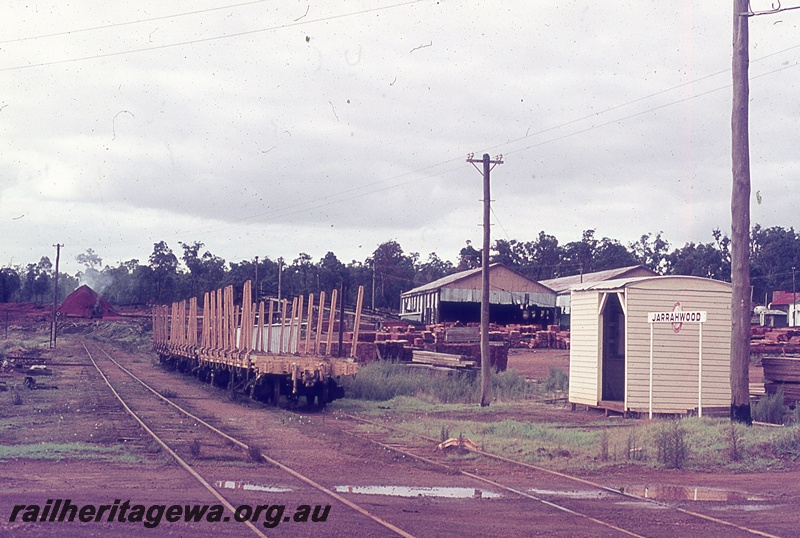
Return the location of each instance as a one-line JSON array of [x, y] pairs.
[[584, 361], [676, 353]]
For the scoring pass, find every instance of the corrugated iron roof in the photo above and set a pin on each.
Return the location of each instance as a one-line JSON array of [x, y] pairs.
[[620, 283], [565, 283], [455, 277]]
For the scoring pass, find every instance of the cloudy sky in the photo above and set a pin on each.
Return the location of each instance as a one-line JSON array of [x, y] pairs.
[[277, 127]]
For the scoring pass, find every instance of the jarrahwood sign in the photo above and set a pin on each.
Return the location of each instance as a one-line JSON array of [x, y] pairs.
[[692, 316], [677, 317]]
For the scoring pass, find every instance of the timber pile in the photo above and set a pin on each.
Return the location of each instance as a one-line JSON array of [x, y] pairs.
[[782, 373], [447, 360], [403, 342], [770, 340], [536, 336]]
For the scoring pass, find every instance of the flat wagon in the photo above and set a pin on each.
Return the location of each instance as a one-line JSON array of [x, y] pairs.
[[266, 350]]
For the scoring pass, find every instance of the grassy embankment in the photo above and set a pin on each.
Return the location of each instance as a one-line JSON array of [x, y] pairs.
[[438, 405]]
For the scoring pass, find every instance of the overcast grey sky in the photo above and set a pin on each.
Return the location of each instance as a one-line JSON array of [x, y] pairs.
[[282, 126]]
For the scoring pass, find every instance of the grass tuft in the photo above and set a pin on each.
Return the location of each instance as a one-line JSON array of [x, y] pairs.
[[383, 381]]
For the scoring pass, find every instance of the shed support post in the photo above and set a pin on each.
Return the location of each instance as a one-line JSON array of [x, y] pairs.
[[700, 375], [650, 383]]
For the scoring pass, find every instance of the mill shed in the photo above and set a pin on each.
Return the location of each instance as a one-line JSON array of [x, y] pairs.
[[564, 284], [513, 298], [656, 344]]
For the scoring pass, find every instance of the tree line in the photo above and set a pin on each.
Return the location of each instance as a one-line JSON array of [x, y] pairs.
[[389, 270]]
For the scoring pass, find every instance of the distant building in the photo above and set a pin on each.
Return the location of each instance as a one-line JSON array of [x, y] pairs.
[[564, 284], [785, 302], [513, 298]]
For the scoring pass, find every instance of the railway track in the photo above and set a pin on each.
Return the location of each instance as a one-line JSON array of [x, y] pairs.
[[549, 498], [158, 416], [600, 514]]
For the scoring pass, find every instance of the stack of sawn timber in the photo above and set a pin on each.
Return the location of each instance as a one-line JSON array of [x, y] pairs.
[[536, 336], [444, 344], [782, 373], [774, 340]]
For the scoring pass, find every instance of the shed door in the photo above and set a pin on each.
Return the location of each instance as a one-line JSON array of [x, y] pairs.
[[613, 352]]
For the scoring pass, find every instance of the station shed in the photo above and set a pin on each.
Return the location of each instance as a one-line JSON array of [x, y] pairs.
[[655, 345]]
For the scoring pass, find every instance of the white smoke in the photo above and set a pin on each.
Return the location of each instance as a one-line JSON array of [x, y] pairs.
[[95, 280]]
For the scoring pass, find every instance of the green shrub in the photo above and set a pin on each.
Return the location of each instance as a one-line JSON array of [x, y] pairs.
[[735, 438], [634, 449], [194, 448], [556, 380], [604, 446], [671, 444], [254, 453], [769, 409], [787, 444]]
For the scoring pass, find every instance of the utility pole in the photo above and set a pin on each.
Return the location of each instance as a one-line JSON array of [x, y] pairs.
[[740, 211], [740, 219], [280, 271], [794, 302], [486, 369], [256, 279], [53, 324], [373, 284]]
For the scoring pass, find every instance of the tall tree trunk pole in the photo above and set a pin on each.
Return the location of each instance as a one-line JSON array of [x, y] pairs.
[[54, 325], [486, 368], [740, 220]]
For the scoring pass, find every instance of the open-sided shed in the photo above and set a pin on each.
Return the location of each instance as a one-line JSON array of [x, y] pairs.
[[513, 298], [651, 345]]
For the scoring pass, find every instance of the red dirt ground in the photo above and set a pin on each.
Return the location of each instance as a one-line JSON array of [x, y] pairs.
[[314, 445]]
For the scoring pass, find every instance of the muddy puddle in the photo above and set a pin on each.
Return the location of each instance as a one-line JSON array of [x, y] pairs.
[[688, 493], [572, 494], [409, 491], [231, 484]]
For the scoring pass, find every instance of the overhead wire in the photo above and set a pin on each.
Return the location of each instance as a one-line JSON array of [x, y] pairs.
[[304, 206], [128, 23], [336, 198], [212, 38]]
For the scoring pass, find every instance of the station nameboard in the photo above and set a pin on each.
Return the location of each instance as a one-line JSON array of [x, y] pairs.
[[689, 316]]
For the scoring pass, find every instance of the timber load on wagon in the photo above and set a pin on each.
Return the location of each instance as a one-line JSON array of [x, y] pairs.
[[265, 350]]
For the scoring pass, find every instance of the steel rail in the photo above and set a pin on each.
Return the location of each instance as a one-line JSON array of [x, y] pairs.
[[499, 485], [560, 475], [163, 445], [240, 444]]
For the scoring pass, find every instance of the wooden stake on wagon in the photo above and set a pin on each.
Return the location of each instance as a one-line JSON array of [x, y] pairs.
[[260, 330], [299, 323], [320, 318], [357, 322], [309, 320], [269, 325], [331, 323], [284, 304]]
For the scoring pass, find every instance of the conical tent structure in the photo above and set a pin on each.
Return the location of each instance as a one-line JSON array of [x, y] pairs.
[[84, 302]]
